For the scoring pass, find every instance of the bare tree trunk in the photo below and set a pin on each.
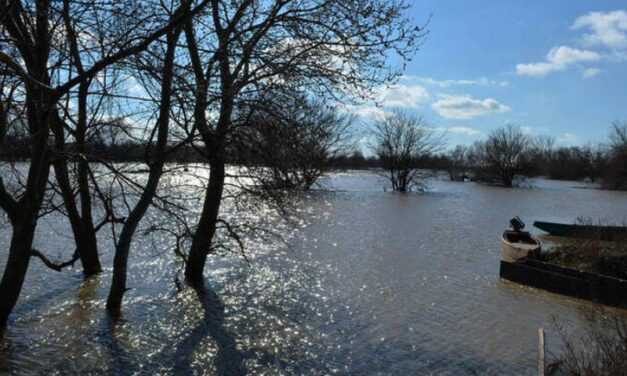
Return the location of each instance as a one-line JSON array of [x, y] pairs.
[[16, 267], [4, 122], [120, 261], [30, 34], [23, 213], [214, 141], [507, 178], [85, 239], [206, 229], [89, 251], [201, 242], [24, 221], [81, 222]]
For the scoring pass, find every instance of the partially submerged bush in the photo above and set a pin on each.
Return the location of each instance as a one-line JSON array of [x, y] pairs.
[[503, 157], [600, 351]]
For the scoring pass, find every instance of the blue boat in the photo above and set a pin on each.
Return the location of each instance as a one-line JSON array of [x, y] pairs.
[[610, 233]]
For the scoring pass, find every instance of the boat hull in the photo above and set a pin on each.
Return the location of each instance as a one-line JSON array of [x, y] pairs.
[[513, 250], [583, 231], [565, 281]]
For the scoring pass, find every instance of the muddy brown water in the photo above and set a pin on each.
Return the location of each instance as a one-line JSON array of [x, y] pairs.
[[369, 283]]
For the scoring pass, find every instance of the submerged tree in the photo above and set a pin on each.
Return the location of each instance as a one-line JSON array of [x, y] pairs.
[[457, 163], [232, 53], [156, 162], [29, 33], [252, 49], [400, 141], [616, 174], [502, 156], [295, 143]]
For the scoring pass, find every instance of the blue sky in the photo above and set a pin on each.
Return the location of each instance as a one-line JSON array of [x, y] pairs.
[[552, 67]]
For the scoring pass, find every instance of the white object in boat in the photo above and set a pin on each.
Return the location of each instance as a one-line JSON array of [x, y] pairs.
[[518, 244]]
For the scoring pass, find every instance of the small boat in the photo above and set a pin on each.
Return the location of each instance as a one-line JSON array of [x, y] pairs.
[[517, 244], [583, 231]]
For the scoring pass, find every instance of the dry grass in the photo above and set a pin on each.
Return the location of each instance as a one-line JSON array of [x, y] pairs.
[[591, 255], [600, 351], [608, 258]]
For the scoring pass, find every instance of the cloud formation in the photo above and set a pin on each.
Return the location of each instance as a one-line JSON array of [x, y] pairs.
[[567, 138], [558, 59], [466, 107], [365, 111], [386, 97], [403, 96], [606, 29], [466, 131], [591, 72], [482, 81], [601, 30]]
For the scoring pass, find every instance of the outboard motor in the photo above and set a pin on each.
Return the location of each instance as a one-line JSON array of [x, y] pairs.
[[517, 224]]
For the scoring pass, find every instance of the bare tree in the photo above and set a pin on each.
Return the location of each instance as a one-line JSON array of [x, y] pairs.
[[542, 153], [544, 145], [618, 137], [457, 163], [296, 142], [503, 155], [616, 174], [31, 30], [156, 165], [76, 51], [400, 140], [249, 48], [235, 52]]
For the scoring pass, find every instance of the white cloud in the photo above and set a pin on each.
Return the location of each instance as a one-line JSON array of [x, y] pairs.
[[535, 69], [365, 111], [482, 81], [386, 97], [608, 29], [403, 96], [466, 107], [465, 131], [527, 130], [531, 131], [558, 59], [134, 88], [591, 72], [567, 139]]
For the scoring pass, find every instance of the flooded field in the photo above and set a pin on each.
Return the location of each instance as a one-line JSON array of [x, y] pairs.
[[369, 282]]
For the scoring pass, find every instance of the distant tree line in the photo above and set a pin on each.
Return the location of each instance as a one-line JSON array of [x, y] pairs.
[[17, 149], [508, 154], [505, 157], [313, 139], [297, 145]]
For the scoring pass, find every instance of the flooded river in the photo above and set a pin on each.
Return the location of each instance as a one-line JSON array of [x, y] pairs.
[[368, 283]]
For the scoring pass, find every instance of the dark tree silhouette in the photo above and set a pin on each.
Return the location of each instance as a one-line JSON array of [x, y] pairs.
[[457, 165], [400, 141], [503, 155], [251, 49], [616, 175], [29, 31], [295, 143]]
